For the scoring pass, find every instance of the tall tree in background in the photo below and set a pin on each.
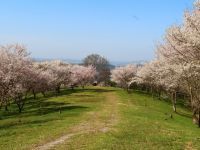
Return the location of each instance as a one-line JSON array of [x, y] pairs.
[[102, 66]]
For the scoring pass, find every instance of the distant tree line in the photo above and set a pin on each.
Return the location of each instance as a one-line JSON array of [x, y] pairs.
[[20, 76]]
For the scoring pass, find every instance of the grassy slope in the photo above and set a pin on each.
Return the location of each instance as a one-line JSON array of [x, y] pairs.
[[145, 123], [142, 122], [41, 121]]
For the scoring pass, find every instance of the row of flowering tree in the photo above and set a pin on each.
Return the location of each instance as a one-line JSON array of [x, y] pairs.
[[180, 53], [176, 67], [20, 76]]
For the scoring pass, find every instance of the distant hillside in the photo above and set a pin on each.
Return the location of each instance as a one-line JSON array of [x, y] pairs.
[[123, 63], [113, 63]]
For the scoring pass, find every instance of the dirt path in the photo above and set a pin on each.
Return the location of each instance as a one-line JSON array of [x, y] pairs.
[[98, 121]]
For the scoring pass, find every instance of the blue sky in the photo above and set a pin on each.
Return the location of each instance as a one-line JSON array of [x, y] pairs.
[[121, 30]]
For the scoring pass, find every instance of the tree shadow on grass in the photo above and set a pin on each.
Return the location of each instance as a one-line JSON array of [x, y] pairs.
[[43, 111], [65, 92], [42, 105], [48, 110], [21, 122], [180, 102], [187, 115], [96, 90]]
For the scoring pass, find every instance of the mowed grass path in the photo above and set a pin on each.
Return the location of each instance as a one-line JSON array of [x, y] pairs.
[[98, 118]]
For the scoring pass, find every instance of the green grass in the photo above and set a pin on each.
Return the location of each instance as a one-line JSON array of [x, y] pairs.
[[147, 125], [41, 120], [131, 121]]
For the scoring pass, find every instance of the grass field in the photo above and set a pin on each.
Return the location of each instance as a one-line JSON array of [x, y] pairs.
[[97, 118]]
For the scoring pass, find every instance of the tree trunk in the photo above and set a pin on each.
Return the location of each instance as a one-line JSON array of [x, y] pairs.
[[19, 108], [58, 89], [34, 94], [199, 118], [191, 95], [127, 89], [159, 94], [20, 103], [152, 92], [195, 110], [146, 89], [43, 93], [194, 116], [6, 108], [174, 101]]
